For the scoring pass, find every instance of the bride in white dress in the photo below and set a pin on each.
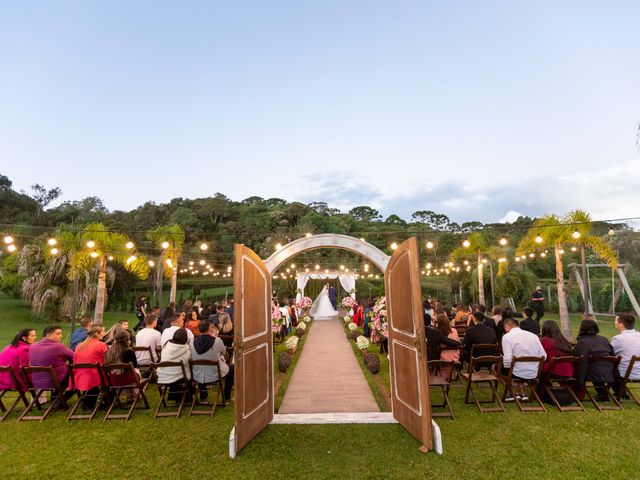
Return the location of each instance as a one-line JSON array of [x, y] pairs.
[[322, 307]]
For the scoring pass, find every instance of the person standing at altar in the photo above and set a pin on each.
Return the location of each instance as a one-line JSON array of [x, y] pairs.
[[333, 295]]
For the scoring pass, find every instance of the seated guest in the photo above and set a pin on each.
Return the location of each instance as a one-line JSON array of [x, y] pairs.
[[50, 352], [79, 334], [435, 338], [520, 343], [209, 347], [444, 325], [555, 345], [176, 350], [626, 344], [476, 334], [16, 355], [226, 326], [120, 351], [220, 309], [483, 310], [507, 313], [166, 314], [122, 325], [192, 322], [528, 323], [590, 343], [90, 350], [149, 337], [495, 318], [177, 322]]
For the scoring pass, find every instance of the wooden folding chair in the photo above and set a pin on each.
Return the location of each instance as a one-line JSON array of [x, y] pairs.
[[475, 377], [114, 373], [483, 349], [36, 391], [614, 361], [511, 381], [164, 389], [462, 330], [210, 385], [228, 343], [146, 369], [554, 384], [103, 391], [16, 388], [626, 380], [436, 381]]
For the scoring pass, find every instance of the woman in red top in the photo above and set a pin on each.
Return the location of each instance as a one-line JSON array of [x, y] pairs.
[[358, 315], [555, 345], [16, 355], [90, 350]]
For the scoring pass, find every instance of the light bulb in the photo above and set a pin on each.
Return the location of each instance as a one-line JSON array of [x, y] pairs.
[[54, 251], [466, 244], [204, 246], [51, 242], [278, 246], [538, 239], [429, 245], [576, 234], [91, 244], [503, 241], [165, 245], [94, 254], [8, 239], [152, 263], [394, 245]]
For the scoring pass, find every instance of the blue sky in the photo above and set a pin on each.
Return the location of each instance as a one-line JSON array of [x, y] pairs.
[[471, 108]]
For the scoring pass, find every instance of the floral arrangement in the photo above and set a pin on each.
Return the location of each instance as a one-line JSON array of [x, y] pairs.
[[352, 326], [347, 319], [306, 319], [379, 320], [348, 302], [362, 342], [292, 342], [302, 325], [305, 302]]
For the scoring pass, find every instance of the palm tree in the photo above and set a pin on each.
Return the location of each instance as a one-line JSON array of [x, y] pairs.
[[474, 244], [551, 231], [97, 244], [170, 239]]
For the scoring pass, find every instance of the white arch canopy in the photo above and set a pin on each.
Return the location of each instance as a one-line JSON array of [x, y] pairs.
[[347, 280], [327, 240]]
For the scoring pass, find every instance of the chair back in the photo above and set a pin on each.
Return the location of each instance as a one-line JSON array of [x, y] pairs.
[[611, 359], [121, 375], [204, 363], [180, 365], [573, 360], [436, 366], [78, 367], [46, 372], [13, 377], [632, 362], [538, 360], [485, 361], [145, 350], [484, 349]]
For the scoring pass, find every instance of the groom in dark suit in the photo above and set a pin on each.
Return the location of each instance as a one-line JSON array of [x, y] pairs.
[[333, 295]]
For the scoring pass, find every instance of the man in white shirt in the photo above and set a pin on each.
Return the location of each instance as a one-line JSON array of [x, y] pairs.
[[626, 344], [149, 337], [177, 322], [520, 343]]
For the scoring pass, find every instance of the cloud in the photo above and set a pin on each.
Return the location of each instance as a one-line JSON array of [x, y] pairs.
[[608, 193]]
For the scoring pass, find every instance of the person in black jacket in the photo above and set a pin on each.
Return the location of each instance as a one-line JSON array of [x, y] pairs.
[[476, 334], [529, 324], [435, 338], [507, 313], [590, 343]]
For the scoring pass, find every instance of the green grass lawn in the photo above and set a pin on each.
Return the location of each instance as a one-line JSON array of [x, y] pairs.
[[511, 445]]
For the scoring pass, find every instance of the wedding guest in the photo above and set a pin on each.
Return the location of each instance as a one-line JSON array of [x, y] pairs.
[[192, 322], [600, 373], [528, 323], [176, 323], [121, 326], [435, 338], [90, 350], [141, 312], [555, 345], [476, 334], [176, 350], [16, 355], [166, 314], [293, 313], [226, 326], [50, 352], [208, 346], [495, 318], [149, 337], [626, 344], [121, 352], [220, 309], [79, 334], [537, 303], [444, 325], [231, 309]]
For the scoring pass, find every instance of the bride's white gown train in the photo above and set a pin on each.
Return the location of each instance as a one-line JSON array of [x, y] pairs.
[[322, 307]]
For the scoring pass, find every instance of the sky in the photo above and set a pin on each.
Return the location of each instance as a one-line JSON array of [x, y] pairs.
[[480, 110]]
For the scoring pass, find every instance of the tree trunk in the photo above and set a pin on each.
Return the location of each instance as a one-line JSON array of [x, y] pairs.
[[174, 284], [480, 281], [563, 309], [102, 291]]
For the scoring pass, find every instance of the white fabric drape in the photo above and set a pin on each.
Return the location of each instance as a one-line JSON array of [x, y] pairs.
[[348, 282]]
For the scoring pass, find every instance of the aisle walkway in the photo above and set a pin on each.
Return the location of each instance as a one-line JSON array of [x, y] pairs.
[[327, 377]]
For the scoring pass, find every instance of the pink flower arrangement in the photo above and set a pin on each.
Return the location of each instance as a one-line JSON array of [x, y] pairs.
[[379, 319], [305, 302], [276, 318], [348, 302]]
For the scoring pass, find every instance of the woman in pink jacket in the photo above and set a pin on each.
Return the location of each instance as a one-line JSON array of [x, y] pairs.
[[16, 355]]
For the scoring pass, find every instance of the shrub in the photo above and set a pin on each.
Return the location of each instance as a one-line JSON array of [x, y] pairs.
[[299, 332], [284, 361], [372, 361], [352, 335]]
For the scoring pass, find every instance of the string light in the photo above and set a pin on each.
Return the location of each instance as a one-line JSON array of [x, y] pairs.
[[278, 246], [202, 262], [165, 245], [94, 254], [52, 242], [532, 255], [169, 262], [502, 260], [341, 267], [394, 246], [503, 241], [561, 251], [428, 266], [362, 239], [110, 258], [293, 265], [132, 258], [466, 244], [91, 244], [538, 239], [317, 267], [576, 234], [543, 254], [8, 239], [11, 248], [429, 245], [466, 262], [574, 249], [484, 260], [204, 246], [152, 263], [308, 235], [54, 251]]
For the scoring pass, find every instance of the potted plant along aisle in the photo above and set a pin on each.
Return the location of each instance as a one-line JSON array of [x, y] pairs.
[[363, 344], [292, 344]]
